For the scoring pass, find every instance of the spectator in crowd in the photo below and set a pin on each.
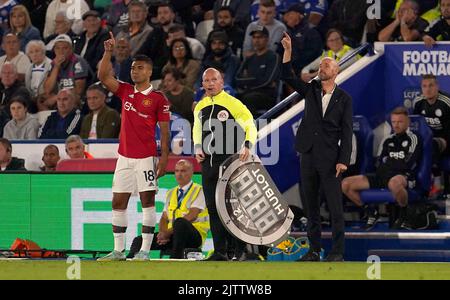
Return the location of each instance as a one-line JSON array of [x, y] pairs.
[[240, 9], [385, 17], [439, 31], [116, 15], [428, 10], [184, 222], [102, 122], [68, 6], [225, 21], [183, 10], [75, 148], [179, 96], [39, 9], [122, 60], [62, 26], [434, 105], [258, 75], [21, 26], [349, 17], [10, 87], [222, 53], [38, 70], [177, 31], [5, 9], [138, 29], [396, 170], [50, 158], [306, 42], [66, 120], [89, 44], [181, 58], [22, 126], [160, 53], [266, 13], [315, 10], [165, 17], [407, 25], [338, 50], [69, 70], [11, 46], [7, 161]]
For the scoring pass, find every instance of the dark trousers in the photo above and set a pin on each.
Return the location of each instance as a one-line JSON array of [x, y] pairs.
[[317, 175], [184, 236], [222, 239]]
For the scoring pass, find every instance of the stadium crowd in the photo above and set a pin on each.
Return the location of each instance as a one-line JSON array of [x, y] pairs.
[[49, 56]]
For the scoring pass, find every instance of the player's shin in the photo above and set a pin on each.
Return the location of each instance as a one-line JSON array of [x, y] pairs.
[[120, 223], [148, 227]]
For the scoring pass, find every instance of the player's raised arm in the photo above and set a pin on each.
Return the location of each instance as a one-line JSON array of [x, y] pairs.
[[104, 68]]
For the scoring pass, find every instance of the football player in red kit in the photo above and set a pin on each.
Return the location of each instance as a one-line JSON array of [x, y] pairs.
[[137, 167]]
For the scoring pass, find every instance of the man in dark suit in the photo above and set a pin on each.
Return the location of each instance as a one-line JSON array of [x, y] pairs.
[[324, 140]]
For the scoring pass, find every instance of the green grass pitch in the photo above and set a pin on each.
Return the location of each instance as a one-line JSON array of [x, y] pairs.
[[32, 269]]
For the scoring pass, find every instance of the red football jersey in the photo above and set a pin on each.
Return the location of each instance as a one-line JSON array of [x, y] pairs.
[[140, 113]]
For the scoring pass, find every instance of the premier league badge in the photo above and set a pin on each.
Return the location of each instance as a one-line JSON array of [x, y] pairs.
[[249, 203]]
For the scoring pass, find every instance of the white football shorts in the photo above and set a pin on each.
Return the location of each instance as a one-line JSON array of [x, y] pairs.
[[135, 175]]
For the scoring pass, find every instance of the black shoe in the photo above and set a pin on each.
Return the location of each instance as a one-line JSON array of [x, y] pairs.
[[325, 222], [334, 257], [399, 224], [372, 219], [216, 256], [310, 256], [241, 257]]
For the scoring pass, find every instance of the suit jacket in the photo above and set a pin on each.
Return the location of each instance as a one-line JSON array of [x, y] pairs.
[[329, 135]]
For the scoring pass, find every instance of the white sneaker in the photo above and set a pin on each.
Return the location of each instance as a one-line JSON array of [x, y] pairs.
[[141, 256], [113, 256]]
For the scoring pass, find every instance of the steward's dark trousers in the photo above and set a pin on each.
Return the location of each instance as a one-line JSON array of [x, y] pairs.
[[220, 234], [315, 174], [184, 236]]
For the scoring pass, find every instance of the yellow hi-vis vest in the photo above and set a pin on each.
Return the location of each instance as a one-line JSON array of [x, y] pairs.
[[339, 55], [431, 16], [174, 212]]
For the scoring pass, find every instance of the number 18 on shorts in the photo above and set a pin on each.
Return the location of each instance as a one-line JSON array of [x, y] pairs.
[[135, 174]]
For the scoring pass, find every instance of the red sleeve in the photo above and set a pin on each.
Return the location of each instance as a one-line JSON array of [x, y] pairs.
[[163, 108], [123, 89]]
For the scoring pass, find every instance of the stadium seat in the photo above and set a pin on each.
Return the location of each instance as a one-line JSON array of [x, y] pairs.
[[364, 140], [423, 176], [109, 164], [87, 165]]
